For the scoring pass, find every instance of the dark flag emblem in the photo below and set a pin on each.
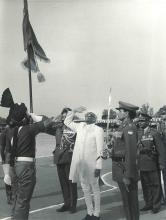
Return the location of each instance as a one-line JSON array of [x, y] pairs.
[[31, 45]]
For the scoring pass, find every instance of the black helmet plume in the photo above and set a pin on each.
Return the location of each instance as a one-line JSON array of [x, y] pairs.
[[7, 99], [16, 114]]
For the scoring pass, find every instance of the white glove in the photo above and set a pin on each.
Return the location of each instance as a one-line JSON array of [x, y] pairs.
[[6, 170], [7, 179], [36, 118]]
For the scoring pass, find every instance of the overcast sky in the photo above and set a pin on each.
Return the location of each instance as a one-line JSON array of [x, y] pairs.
[[93, 45]]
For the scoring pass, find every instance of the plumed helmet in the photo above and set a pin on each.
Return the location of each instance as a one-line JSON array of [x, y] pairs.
[[16, 113], [7, 99]]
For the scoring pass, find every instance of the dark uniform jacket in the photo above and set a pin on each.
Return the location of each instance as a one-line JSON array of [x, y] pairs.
[[150, 150], [26, 144], [124, 162], [65, 140]]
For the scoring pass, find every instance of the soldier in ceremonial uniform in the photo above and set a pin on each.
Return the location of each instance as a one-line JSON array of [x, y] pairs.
[[124, 160], [20, 153], [150, 161], [65, 140]]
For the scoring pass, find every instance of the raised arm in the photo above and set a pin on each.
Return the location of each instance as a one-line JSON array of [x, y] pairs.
[[69, 118], [69, 121]]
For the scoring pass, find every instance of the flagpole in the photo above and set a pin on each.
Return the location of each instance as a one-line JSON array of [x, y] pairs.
[[109, 108], [106, 153], [33, 49], [30, 81]]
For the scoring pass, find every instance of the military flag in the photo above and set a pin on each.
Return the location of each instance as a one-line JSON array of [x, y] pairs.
[[31, 45], [34, 51]]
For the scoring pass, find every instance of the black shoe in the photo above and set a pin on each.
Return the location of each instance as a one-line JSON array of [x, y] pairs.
[[146, 208], [63, 209], [88, 217], [155, 210], [72, 210]]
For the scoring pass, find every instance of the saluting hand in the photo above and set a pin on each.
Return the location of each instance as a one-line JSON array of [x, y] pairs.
[[79, 109]]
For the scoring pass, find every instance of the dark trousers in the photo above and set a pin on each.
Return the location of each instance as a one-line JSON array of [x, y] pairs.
[[151, 187], [164, 180], [24, 181], [8, 193], [130, 200], [69, 189]]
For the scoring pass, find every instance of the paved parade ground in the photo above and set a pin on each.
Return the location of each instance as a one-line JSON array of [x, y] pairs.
[[47, 196]]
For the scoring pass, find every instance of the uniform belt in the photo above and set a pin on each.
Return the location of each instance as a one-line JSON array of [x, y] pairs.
[[118, 159], [25, 159]]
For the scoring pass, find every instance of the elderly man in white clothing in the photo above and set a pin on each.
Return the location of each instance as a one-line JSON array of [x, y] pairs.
[[86, 162]]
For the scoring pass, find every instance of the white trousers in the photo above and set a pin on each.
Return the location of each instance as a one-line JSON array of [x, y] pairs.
[[87, 188]]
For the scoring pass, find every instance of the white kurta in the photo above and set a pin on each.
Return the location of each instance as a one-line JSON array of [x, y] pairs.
[[88, 147]]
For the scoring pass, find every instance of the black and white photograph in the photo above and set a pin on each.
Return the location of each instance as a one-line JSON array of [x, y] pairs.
[[82, 109]]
